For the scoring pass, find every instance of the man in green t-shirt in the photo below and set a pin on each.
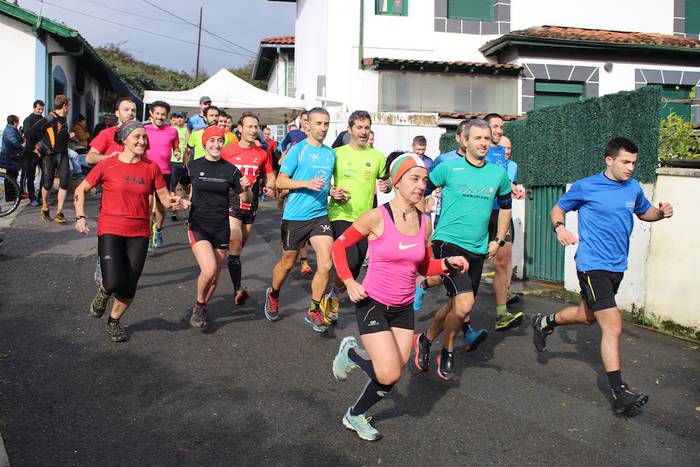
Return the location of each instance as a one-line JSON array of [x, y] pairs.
[[194, 143], [177, 166], [469, 185], [358, 169]]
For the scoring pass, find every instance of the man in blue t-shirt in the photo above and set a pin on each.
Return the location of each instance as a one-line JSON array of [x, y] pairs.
[[503, 261], [606, 203], [306, 172], [295, 136]]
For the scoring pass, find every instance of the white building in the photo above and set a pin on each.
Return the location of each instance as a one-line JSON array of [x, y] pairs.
[[44, 58], [408, 61]]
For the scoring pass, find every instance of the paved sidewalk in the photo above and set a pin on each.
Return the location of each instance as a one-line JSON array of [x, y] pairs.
[[249, 392]]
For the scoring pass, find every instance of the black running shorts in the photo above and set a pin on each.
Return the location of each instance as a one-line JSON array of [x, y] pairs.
[[598, 288], [246, 217], [216, 235], [373, 316], [493, 227], [455, 281], [296, 233]]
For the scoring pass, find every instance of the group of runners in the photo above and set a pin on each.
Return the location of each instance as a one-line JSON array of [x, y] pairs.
[[447, 217]]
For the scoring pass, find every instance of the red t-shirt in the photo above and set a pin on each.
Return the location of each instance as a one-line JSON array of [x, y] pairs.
[[124, 209], [252, 162], [104, 142]]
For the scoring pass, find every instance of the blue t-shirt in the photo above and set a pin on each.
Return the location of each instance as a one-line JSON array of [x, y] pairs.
[[304, 162], [512, 171], [605, 222], [292, 138], [427, 161], [196, 122], [497, 155]]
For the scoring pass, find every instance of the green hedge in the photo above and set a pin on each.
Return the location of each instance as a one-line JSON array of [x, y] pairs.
[[558, 145]]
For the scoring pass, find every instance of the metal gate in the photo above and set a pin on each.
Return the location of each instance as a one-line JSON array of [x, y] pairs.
[[544, 257]]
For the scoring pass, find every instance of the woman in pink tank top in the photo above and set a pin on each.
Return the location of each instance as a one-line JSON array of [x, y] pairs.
[[399, 249]]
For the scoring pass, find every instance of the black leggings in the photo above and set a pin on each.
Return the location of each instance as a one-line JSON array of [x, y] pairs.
[[356, 253], [121, 260], [48, 171]]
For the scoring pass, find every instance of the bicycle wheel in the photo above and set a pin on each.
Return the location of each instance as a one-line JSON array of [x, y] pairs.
[[10, 196]]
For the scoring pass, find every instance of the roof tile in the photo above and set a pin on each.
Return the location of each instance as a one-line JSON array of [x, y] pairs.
[[278, 40]]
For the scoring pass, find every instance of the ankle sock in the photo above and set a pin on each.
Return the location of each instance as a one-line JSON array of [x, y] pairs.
[[501, 310], [548, 322], [615, 379], [274, 293]]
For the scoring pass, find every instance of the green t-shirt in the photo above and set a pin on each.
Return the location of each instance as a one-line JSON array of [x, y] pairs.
[[468, 193], [181, 133], [195, 142], [357, 172]]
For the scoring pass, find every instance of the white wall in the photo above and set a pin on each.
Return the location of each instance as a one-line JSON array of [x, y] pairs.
[[618, 15], [19, 81], [632, 291], [311, 47], [674, 255]]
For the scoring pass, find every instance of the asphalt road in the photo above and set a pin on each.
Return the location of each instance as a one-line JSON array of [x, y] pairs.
[[249, 392]]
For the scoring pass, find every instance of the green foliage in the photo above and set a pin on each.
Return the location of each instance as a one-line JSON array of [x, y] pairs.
[[557, 145], [141, 75], [676, 140]]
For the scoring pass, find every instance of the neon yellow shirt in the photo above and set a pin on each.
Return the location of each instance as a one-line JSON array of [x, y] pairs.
[[195, 142], [357, 172]]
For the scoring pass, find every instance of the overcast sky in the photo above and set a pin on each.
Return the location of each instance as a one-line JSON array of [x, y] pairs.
[[240, 22]]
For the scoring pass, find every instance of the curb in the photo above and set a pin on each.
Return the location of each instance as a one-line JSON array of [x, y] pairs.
[[4, 460]]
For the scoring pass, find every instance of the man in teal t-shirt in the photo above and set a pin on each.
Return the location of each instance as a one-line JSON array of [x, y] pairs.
[[469, 185]]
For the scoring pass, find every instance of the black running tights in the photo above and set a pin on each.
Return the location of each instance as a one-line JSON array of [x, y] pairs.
[[121, 260], [48, 171]]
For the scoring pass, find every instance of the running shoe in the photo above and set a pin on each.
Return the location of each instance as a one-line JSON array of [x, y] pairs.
[[472, 338], [305, 268], [316, 320], [45, 215], [150, 246], [330, 306], [445, 365], [157, 237], [508, 320], [199, 316], [360, 425], [241, 297], [272, 306], [342, 365], [60, 218], [421, 347], [99, 303], [418, 295], [539, 335], [116, 332], [34, 203], [625, 400]]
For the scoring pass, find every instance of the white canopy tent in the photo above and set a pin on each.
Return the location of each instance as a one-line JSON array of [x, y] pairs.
[[229, 92]]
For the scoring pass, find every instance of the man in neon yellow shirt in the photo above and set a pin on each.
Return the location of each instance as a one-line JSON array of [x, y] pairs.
[[358, 169], [211, 115]]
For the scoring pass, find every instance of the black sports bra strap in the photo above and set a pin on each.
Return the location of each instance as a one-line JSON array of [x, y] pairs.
[[387, 206]]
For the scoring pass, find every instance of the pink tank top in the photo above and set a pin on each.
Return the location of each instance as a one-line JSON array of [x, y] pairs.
[[393, 263]]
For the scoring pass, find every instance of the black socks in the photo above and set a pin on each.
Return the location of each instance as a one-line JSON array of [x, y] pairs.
[[235, 271], [274, 293], [615, 379], [374, 391]]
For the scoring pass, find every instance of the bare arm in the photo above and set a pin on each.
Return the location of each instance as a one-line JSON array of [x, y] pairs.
[[284, 182], [654, 214], [564, 236], [79, 206], [93, 156]]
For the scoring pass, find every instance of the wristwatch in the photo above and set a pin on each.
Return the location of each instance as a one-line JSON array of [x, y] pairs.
[[80, 217], [499, 241], [556, 225]]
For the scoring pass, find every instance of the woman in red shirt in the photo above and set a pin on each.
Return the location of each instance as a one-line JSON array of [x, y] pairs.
[[123, 226]]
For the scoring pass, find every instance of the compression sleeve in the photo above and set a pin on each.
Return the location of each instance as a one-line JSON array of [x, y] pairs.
[[431, 266], [340, 258]]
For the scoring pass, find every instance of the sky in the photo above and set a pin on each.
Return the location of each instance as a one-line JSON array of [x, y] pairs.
[[239, 22]]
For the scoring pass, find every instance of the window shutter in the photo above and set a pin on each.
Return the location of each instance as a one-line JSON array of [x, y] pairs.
[[692, 16], [470, 9]]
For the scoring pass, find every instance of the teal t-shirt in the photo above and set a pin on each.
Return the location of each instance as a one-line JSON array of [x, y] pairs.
[[304, 162], [468, 194]]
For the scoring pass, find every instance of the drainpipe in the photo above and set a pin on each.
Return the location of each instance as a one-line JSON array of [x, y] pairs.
[[360, 49]]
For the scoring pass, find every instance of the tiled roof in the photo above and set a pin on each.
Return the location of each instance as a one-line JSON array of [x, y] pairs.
[[469, 116], [600, 37], [278, 40], [430, 65]]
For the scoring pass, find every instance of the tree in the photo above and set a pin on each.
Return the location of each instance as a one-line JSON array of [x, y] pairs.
[[246, 73]]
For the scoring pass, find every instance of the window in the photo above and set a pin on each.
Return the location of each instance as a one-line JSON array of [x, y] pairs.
[[671, 91], [391, 7], [549, 93], [692, 16], [439, 92], [291, 87], [470, 9]]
